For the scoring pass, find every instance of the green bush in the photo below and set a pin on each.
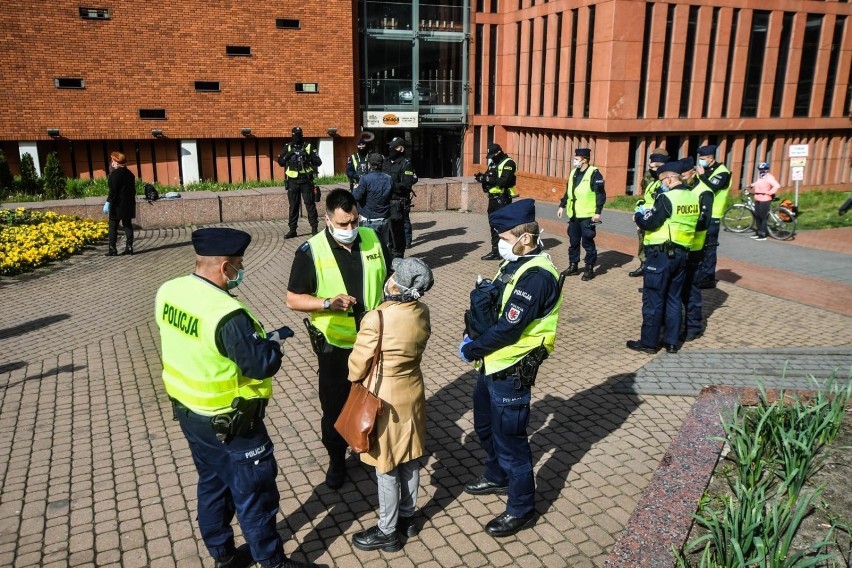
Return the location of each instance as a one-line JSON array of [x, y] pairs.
[[7, 181], [29, 182], [53, 180]]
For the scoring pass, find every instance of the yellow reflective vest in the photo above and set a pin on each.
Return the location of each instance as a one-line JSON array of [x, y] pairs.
[[339, 327], [680, 226], [700, 236], [541, 331], [650, 193], [580, 202], [720, 201], [499, 190], [308, 167], [188, 312]]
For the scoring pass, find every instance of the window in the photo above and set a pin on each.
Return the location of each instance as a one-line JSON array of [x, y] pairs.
[[571, 68], [689, 57], [754, 66], [238, 50], [207, 86], [832, 65], [286, 24], [589, 45], [731, 49], [307, 87], [94, 13], [477, 140], [492, 70], [152, 113], [646, 47], [558, 63], [664, 70], [804, 90], [781, 70], [69, 83], [714, 37]]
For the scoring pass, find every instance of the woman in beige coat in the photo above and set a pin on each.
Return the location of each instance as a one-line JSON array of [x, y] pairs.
[[401, 429]]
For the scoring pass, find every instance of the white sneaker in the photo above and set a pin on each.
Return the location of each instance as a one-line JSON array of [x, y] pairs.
[[760, 239], [754, 237]]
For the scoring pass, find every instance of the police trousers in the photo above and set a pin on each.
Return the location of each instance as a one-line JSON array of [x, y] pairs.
[[664, 275], [581, 231], [501, 414], [495, 204], [334, 389], [711, 244], [237, 477], [296, 193], [691, 294]]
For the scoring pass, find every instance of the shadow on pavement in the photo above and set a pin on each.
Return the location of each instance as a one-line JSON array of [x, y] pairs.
[[423, 225], [162, 247], [727, 275], [439, 235], [448, 254], [610, 259], [547, 244], [712, 299], [9, 367], [70, 368], [32, 325]]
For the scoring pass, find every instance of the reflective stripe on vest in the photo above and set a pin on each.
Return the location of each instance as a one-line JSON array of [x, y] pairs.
[[499, 190], [700, 236], [582, 203], [538, 332], [308, 168], [339, 327], [680, 226], [188, 312], [720, 201], [651, 193]]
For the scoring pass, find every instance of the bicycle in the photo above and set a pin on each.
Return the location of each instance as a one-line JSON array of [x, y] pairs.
[[739, 218]]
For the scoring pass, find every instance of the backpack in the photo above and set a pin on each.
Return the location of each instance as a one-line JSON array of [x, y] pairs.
[[484, 308], [151, 193]]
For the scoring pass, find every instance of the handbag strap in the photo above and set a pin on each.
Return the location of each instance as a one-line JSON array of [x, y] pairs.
[[377, 353]]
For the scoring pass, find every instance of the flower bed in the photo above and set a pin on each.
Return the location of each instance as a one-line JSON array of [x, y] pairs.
[[29, 239]]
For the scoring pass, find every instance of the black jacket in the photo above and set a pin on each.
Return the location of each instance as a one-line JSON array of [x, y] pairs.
[[122, 194]]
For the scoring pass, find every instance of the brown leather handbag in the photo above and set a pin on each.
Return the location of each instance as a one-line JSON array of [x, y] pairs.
[[358, 417]]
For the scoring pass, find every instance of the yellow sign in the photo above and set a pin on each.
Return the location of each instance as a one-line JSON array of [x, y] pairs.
[[798, 162]]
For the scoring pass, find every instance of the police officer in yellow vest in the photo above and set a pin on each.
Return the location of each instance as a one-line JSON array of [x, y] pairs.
[[508, 355], [692, 301], [669, 230], [357, 164], [717, 177], [336, 277], [300, 162], [498, 183], [218, 364], [582, 204], [650, 185]]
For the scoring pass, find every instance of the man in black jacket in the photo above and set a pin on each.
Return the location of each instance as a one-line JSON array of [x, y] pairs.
[[120, 203], [498, 183], [402, 172], [300, 161]]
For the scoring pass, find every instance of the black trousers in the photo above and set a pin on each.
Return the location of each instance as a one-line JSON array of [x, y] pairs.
[[127, 223], [296, 192], [397, 229], [334, 388], [493, 205], [761, 213]]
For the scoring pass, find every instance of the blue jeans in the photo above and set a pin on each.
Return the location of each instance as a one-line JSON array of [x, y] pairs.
[[501, 413]]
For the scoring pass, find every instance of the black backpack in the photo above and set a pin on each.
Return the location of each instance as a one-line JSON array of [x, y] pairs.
[[484, 308], [151, 193]]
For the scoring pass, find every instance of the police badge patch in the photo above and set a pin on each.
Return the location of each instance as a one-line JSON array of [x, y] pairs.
[[514, 313]]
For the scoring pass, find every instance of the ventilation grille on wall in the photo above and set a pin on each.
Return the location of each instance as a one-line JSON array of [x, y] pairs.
[[94, 13], [238, 50], [286, 24], [69, 83], [207, 86], [152, 113], [307, 87]]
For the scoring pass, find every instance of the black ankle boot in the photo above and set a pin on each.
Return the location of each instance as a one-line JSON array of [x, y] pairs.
[[589, 273], [571, 270], [638, 272]]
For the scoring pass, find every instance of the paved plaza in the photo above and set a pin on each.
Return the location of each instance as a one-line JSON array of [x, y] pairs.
[[96, 473]]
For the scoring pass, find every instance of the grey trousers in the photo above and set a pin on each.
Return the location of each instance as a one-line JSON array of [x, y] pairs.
[[397, 494]]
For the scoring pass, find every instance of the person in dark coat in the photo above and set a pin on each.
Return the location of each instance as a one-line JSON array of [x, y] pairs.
[[121, 203]]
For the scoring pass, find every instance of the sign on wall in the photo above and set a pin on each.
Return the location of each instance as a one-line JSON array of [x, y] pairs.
[[390, 119]]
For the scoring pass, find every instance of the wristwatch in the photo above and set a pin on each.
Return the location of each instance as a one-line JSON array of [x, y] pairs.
[[326, 304]]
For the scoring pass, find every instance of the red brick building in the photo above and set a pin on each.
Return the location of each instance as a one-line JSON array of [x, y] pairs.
[[623, 76]]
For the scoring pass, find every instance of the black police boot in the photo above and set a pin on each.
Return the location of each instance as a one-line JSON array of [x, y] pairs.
[[640, 347], [374, 539], [290, 234], [314, 230], [507, 525], [406, 526], [294, 564], [571, 270], [111, 252], [240, 559], [127, 251], [589, 273], [638, 272], [493, 255], [336, 474], [482, 486]]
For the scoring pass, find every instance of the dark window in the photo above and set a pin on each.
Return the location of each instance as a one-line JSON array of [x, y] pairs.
[[530, 49], [589, 51], [541, 88], [207, 86], [781, 69], [632, 148], [689, 57], [492, 71], [477, 140], [848, 103], [238, 50], [804, 90], [489, 136], [494, 7], [518, 29], [480, 5], [477, 73], [94, 13], [69, 83], [571, 67], [646, 47], [714, 31], [667, 53], [307, 87], [287, 24], [152, 113], [754, 66], [731, 49], [558, 73], [831, 80]]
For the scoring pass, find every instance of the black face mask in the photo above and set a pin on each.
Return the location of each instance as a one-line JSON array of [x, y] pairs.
[[297, 139], [362, 151], [394, 154], [653, 174]]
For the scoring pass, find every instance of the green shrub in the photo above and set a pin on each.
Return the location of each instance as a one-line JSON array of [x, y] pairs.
[[53, 180], [29, 182], [7, 181]]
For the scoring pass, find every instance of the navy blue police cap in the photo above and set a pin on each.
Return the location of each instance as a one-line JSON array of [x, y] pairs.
[[659, 158], [583, 152], [688, 163], [675, 166], [709, 150], [511, 216], [220, 241]]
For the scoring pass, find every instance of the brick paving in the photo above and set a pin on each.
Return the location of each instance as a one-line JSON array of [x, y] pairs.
[[98, 474]]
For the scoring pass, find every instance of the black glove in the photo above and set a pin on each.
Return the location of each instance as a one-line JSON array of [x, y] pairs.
[[280, 334]]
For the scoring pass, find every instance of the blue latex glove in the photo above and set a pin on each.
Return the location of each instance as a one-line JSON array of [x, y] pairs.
[[464, 342], [640, 209], [106, 208]]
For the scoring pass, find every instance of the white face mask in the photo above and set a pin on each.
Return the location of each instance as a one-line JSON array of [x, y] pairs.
[[702, 162], [506, 250], [577, 163], [344, 236]]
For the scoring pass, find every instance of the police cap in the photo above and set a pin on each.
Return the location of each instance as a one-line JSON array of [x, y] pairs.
[[296, 130], [583, 152], [659, 158], [511, 216], [220, 241], [494, 149], [675, 166], [709, 150], [396, 142], [688, 163]]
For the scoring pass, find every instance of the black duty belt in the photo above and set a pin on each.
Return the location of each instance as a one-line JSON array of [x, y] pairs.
[[665, 247]]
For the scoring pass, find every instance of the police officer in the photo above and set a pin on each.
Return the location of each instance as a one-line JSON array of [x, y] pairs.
[[692, 300], [218, 364], [507, 356], [300, 161], [357, 165], [669, 230], [717, 177], [582, 203], [401, 171], [336, 277], [373, 195], [498, 183], [650, 185]]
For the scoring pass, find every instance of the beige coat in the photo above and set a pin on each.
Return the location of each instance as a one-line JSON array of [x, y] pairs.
[[401, 429]]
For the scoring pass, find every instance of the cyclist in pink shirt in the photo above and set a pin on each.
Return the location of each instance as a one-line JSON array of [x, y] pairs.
[[764, 188]]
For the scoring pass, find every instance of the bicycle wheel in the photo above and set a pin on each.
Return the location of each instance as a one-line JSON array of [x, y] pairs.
[[778, 227], [738, 218]]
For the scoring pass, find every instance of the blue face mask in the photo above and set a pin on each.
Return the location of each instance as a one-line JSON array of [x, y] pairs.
[[241, 274], [702, 163]]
